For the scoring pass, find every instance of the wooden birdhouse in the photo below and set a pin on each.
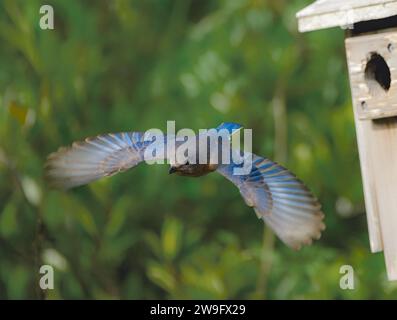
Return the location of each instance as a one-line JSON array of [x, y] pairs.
[[371, 51]]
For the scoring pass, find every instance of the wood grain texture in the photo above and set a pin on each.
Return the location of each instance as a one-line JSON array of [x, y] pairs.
[[384, 161], [333, 13], [363, 132], [377, 142]]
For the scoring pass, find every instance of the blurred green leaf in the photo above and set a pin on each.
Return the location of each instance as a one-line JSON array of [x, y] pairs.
[[162, 277], [171, 238], [8, 220]]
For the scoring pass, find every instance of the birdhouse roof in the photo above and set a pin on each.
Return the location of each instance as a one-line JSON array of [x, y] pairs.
[[333, 13]]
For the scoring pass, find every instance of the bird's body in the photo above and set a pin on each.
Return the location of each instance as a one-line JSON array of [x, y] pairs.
[[193, 170], [276, 195]]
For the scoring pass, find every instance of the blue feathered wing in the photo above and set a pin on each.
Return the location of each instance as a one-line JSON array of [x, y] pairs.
[[280, 199]]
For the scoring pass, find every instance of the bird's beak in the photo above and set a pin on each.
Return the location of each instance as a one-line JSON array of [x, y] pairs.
[[172, 170]]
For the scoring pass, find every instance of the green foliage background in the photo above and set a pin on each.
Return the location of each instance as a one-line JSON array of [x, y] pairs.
[[121, 65]]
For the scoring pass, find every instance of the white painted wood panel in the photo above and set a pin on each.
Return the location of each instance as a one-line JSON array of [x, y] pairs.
[[377, 141], [341, 13]]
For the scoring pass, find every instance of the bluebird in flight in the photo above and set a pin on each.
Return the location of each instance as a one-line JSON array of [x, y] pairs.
[[279, 198]]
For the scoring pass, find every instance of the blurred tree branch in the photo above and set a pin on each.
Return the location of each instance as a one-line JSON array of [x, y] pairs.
[[280, 155], [39, 235]]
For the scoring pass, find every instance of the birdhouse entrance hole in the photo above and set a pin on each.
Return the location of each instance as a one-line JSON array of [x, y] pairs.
[[377, 73]]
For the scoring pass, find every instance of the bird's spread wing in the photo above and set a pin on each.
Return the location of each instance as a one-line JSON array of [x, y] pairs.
[[280, 199], [93, 158]]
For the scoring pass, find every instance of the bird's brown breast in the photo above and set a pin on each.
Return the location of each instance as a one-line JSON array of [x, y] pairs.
[[196, 170]]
